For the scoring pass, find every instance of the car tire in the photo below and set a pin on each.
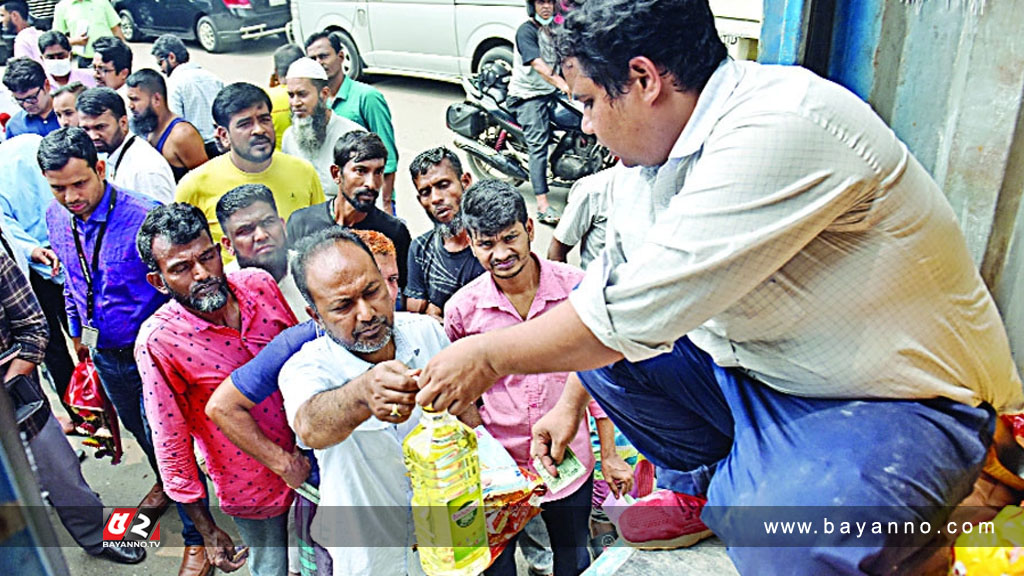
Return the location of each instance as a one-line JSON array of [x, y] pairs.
[[208, 36], [129, 28], [498, 53], [352, 64]]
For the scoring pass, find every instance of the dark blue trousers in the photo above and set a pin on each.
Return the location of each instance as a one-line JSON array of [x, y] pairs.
[[761, 456]]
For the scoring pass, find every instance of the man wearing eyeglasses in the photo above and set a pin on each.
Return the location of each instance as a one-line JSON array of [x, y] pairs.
[[27, 82]]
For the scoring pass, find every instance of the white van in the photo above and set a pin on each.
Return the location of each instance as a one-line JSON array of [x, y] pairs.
[[441, 39]]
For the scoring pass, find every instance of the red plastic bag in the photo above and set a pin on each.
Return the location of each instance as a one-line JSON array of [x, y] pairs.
[[86, 398]]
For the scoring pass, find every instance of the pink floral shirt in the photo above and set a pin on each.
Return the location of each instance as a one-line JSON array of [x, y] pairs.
[[182, 359], [515, 403]]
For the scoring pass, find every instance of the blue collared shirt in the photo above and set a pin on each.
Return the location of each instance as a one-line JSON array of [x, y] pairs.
[[24, 196], [22, 123], [124, 299]]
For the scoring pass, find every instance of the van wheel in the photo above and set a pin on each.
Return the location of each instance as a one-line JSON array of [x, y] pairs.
[[352, 63], [496, 54]]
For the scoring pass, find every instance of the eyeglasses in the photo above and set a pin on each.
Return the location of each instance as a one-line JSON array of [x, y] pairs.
[[103, 70], [31, 100]]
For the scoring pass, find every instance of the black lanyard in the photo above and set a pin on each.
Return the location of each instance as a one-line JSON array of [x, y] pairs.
[[90, 294], [124, 151]]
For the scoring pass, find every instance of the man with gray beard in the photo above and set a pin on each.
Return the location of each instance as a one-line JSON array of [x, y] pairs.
[[315, 129], [440, 261]]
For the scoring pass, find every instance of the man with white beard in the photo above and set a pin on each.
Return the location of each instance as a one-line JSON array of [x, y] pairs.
[[315, 129]]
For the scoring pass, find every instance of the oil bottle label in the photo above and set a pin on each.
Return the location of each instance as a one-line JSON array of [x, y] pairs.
[[467, 525]]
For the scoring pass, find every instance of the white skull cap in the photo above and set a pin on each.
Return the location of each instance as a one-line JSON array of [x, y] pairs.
[[306, 68]]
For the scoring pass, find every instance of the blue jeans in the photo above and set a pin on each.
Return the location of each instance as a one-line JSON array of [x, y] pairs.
[[568, 524], [267, 539], [123, 385], [761, 455]]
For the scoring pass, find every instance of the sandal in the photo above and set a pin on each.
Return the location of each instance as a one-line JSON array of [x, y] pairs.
[[549, 216]]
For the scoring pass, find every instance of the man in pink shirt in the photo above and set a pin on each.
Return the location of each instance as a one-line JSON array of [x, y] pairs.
[[15, 17], [213, 324], [519, 286]]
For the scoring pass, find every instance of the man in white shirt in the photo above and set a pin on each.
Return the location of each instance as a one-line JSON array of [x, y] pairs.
[[255, 234], [785, 319], [132, 164], [350, 396], [315, 128], [191, 89]]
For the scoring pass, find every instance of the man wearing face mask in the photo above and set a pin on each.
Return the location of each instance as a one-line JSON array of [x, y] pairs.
[[358, 170], [56, 60], [531, 94]]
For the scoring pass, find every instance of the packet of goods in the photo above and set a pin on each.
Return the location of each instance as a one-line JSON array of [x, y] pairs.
[[999, 552], [511, 493]]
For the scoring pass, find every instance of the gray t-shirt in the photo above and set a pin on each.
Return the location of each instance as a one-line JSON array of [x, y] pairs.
[[532, 42], [323, 157]]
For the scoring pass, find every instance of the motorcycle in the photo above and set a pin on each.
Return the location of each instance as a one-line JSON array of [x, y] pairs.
[[486, 129]]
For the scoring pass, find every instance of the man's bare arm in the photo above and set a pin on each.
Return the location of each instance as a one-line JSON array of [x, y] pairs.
[[549, 75], [558, 252], [229, 409], [330, 417]]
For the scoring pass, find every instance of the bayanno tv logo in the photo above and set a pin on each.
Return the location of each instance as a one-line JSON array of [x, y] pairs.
[[131, 527]]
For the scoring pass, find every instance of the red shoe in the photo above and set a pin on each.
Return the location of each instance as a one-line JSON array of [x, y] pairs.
[[663, 521], [643, 479]]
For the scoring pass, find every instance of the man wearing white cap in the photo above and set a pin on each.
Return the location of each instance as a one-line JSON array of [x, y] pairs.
[[315, 129]]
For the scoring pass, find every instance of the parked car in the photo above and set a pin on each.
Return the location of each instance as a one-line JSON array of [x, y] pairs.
[[217, 25], [442, 39]]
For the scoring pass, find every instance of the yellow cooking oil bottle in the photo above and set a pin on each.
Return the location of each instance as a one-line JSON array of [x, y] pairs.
[[447, 502]]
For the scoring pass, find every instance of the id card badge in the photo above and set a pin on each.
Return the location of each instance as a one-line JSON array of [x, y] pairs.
[[90, 336]]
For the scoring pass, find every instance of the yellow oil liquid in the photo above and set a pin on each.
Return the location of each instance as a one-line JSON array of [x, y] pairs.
[[447, 502]]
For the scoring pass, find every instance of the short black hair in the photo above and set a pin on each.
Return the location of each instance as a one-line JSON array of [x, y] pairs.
[[332, 37], [241, 197], [179, 222], [358, 146], [427, 159], [24, 74], [112, 49], [490, 206], [149, 80], [170, 44], [236, 97], [58, 148], [679, 36], [75, 88], [284, 57], [17, 6], [95, 101], [313, 244], [51, 38]]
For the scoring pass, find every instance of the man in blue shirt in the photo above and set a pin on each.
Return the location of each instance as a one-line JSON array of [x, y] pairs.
[[24, 196], [27, 82], [106, 293]]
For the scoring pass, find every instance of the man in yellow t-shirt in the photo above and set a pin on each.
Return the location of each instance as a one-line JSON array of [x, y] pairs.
[[246, 129]]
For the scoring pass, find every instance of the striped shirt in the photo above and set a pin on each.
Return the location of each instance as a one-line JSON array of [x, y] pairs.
[[190, 94]]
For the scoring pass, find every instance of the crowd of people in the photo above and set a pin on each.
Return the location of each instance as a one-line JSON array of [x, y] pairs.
[[767, 264]]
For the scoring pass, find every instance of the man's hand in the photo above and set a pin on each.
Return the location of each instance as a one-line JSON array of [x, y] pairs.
[[46, 257], [220, 550], [435, 312], [81, 350], [552, 433], [456, 377], [617, 473], [80, 40], [390, 391], [295, 470]]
